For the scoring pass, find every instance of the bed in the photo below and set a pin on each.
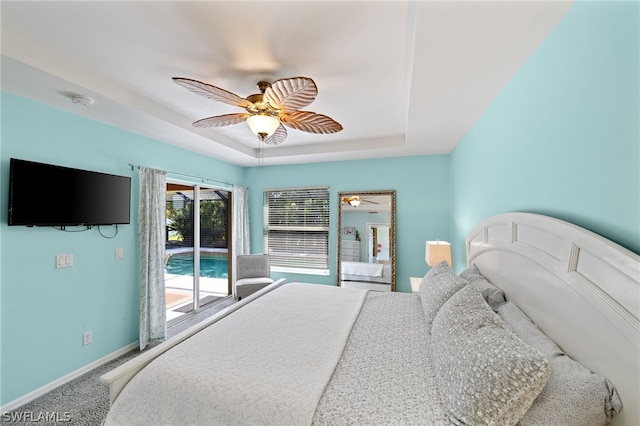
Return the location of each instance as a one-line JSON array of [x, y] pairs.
[[368, 276], [549, 308]]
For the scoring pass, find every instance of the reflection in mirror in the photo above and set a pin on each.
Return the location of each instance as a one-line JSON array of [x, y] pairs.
[[366, 240], [377, 243]]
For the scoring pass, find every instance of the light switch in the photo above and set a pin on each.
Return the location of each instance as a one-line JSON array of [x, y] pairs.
[[64, 260]]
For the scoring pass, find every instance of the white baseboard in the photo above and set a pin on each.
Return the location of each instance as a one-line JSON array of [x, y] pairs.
[[66, 378]]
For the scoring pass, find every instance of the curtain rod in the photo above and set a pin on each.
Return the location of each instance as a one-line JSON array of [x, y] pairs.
[[202, 179]]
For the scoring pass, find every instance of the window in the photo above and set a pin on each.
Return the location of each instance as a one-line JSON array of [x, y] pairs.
[[296, 234]]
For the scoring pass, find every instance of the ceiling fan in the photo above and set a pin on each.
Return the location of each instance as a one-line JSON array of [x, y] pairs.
[[277, 104], [356, 200]]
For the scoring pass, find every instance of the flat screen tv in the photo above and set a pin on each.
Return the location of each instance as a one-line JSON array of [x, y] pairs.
[[49, 195]]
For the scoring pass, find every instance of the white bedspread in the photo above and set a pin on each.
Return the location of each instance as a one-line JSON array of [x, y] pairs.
[[362, 269], [281, 380]]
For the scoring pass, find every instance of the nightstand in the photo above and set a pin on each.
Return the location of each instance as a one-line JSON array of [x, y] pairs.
[[415, 283]]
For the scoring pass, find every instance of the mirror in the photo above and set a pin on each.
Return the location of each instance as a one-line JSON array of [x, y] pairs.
[[366, 240]]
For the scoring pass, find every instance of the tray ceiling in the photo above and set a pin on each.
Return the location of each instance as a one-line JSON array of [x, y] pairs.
[[403, 78]]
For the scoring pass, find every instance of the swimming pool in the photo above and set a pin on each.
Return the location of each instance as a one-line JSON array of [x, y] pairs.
[[212, 265]]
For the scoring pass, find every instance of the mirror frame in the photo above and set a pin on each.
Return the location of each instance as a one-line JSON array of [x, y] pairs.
[[392, 228]]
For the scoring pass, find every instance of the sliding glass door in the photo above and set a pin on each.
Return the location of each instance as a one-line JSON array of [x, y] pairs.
[[197, 250]]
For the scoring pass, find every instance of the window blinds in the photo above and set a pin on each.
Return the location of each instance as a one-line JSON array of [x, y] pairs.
[[297, 227]]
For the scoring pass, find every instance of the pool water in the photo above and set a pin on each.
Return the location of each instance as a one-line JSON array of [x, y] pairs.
[[211, 265]]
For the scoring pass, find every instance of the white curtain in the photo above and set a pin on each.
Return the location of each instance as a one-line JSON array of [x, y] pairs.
[[151, 239], [240, 228]]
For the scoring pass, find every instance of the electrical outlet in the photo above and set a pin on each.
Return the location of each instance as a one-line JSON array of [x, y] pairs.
[[119, 253], [87, 338]]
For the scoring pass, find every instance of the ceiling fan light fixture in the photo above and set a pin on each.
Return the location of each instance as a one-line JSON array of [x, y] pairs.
[[354, 202], [263, 126], [279, 104]]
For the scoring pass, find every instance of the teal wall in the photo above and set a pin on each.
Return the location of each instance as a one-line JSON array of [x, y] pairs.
[[563, 137], [45, 310], [420, 214]]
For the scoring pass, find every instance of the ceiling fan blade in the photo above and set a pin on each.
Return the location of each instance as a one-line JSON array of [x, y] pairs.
[[310, 122], [278, 136], [212, 92], [358, 199], [222, 120], [291, 94]]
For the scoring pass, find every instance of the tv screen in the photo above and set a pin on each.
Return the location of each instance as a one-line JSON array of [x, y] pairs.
[[48, 195]]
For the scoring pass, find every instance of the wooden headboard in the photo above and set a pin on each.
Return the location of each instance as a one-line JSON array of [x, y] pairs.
[[581, 289]]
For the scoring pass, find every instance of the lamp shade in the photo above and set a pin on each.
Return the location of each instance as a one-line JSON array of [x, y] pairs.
[[263, 126], [436, 252]]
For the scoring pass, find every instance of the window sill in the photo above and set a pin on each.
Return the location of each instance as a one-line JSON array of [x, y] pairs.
[[304, 271]]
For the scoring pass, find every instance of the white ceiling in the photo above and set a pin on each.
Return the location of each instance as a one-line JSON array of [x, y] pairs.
[[403, 78]]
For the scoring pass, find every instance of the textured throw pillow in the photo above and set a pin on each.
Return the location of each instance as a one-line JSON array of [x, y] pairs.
[[484, 372], [573, 396], [492, 294], [437, 286]]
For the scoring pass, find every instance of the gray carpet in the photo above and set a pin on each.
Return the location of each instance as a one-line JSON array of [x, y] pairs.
[[84, 401]]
